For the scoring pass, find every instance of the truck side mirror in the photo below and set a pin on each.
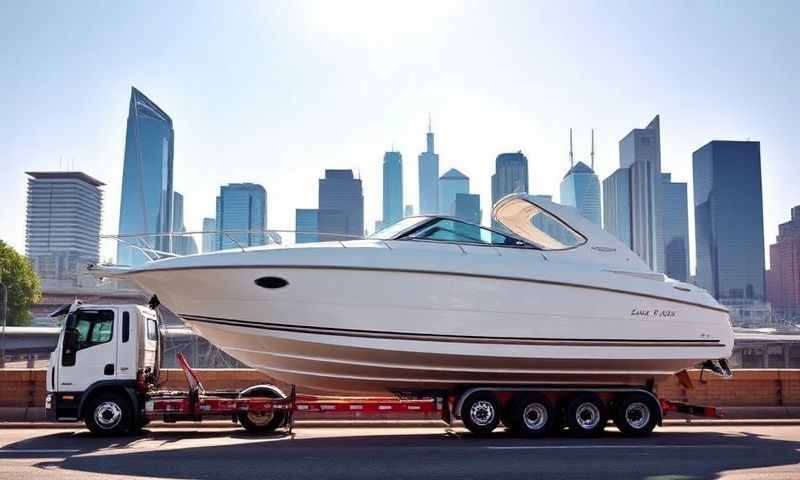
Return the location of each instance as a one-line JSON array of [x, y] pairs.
[[70, 347]]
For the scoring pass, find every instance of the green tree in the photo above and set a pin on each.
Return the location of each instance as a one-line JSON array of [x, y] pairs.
[[22, 284]]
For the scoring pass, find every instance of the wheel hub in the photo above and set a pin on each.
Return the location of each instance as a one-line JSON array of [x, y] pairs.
[[535, 416], [587, 415], [482, 412], [107, 415], [637, 415]]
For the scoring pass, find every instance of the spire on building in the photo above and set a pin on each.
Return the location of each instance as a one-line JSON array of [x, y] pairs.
[[592, 154], [430, 130], [571, 159]]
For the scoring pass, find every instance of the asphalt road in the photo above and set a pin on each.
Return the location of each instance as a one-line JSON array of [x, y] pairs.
[[673, 452]]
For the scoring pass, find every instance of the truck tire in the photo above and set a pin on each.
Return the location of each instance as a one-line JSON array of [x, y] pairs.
[[480, 413], [260, 424], [636, 414], [532, 415], [587, 414], [109, 414]]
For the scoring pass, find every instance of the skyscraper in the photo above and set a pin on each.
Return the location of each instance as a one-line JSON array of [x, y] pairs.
[[181, 244], [209, 239], [241, 215], [640, 152], [580, 187], [306, 225], [341, 205], [468, 207], [392, 187], [617, 205], [451, 184], [146, 203], [429, 177], [62, 232], [675, 231], [783, 278], [409, 211], [510, 176], [729, 220]]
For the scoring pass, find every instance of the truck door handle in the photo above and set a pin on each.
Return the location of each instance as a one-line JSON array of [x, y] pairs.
[[109, 369]]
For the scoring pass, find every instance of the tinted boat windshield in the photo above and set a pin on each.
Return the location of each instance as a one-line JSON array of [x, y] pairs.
[[446, 230], [393, 230]]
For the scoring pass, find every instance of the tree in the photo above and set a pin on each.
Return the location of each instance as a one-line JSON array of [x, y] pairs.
[[22, 285]]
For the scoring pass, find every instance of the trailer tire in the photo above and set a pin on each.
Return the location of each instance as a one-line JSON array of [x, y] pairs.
[[480, 413], [109, 414], [636, 414], [587, 414], [532, 415], [261, 424]]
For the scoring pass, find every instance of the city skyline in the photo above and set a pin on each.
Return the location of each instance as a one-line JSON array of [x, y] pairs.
[[265, 129]]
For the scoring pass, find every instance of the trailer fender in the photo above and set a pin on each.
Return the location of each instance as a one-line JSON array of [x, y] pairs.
[[128, 386], [272, 388]]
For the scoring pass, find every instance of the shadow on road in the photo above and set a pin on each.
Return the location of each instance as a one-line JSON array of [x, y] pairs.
[[228, 455]]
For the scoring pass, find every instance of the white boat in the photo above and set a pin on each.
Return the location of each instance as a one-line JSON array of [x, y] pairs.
[[436, 304]]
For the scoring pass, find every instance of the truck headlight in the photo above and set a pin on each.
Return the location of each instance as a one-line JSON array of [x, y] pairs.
[[48, 401]]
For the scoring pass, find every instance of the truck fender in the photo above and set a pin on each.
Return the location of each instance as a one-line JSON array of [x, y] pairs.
[[272, 388], [126, 385]]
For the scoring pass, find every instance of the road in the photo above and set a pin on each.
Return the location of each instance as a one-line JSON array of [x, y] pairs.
[[673, 452]]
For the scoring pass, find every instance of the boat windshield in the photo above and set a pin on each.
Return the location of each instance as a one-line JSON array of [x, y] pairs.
[[393, 230], [453, 230], [536, 224]]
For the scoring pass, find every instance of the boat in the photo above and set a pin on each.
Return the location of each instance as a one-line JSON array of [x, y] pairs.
[[433, 303]]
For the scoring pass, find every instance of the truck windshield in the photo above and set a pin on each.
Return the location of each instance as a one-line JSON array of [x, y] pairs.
[[93, 326]]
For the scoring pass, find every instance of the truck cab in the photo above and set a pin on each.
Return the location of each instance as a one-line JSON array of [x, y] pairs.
[[99, 371]]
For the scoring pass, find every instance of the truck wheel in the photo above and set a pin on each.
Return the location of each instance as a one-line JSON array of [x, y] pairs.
[[532, 415], [262, 422], [587, 414], [636, 414], [480, 413], [109, 414]]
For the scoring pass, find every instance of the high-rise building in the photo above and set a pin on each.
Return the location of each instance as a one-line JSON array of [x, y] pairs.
[[429, 177], [181, 244], [640, 152], [468, 207], [392, 187], [451, 184], [409, 211], [62, 232], [580, 187], [209, 239], [675, 223], [729, 220], [146, 203], [341, 205], [783, 278], [617, 205], [510, 176], [241, 215], [306, 225]]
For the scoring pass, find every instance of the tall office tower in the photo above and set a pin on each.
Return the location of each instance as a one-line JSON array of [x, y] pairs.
[[510, 176], [146, 203], [675, 223], [640, 152], [241, 215], [451, 184], [306, 225], [409, 211], [783, 278], [181, 244], [62, 233], [209, 239], [429, 177], [729, 220], [617, 205], [468, 207], [341, 205], [392, 187], [580, 187]]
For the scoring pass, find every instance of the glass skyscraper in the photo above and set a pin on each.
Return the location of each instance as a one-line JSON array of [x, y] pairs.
[[341, 205], [429, 178], [306, 225], [241, 215], [146, 203], [617, 205], [580, 188], [392, 187], [729, 220], [181, 244], [451, 184], [468, 207], [675, 232], [209, 239], [510, 176]]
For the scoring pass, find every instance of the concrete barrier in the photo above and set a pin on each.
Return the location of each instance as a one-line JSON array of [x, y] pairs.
[[749, 394]]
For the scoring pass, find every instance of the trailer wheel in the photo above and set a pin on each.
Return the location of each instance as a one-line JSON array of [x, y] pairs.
[[480, 413], [261, 423], [587, 414], [532, 415], [636, 414], [109, 414]]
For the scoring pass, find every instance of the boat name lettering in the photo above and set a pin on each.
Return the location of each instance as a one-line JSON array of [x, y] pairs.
[[653, 313]]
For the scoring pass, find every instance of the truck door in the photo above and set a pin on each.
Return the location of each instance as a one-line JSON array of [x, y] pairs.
[[88, 350]]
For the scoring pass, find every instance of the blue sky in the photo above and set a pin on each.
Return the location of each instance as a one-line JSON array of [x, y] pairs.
[[274, 92]]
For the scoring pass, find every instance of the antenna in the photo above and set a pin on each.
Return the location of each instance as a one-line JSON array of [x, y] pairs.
[[571, 160], [593, 149], [429, 122]]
